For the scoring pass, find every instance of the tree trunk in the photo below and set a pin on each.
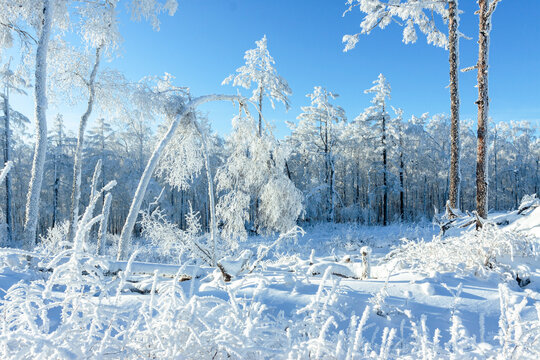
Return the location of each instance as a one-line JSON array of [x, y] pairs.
[[385, 194], [55, 191], [211, 195], [102, 143], [136, 203], [260, 110], [40, 150], [402, 185], [483, 108], [453, 47], [496, 173], [102, 233], [7, 157], [77, 165], [329, 175]]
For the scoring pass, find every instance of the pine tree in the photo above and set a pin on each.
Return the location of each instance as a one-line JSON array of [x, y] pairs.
[[378, 115]]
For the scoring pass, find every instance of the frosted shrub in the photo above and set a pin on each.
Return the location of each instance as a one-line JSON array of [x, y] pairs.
[[170, 242], [519, 339], [81, 312], [164, 236], [281, 204], [55, 240], [487, 249]]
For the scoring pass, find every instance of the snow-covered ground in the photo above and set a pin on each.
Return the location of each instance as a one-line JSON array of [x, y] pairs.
[[467, 295]]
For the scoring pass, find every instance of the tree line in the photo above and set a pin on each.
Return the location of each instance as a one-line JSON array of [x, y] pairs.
[[374, 168]]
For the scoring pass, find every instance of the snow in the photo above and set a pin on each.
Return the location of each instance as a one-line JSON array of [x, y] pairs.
[[302, 299], [529, 224]]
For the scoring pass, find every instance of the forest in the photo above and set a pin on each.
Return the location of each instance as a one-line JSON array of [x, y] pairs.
[[136, 230]]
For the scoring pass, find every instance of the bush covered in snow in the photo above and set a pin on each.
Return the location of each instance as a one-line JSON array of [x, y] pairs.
[[80, 311], [493, 247]]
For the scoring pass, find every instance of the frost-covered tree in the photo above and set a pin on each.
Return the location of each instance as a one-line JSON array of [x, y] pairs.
[[100, 137], [378, 116], [420, 14], [39, 20], [89, 83], [259, 70], [11, 82], [161, 98], [254, 172], [42, 20], [184, 157], [58, 140], [317, 135], [399, 129]]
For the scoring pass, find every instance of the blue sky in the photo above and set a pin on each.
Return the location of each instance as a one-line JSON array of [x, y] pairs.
[[205, 42]]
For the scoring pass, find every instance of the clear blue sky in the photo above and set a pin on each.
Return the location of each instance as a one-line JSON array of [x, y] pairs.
[[205, 42]]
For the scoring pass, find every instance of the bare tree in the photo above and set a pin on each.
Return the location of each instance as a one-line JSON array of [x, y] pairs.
[[453, 49], [486, 9], [77, 165]]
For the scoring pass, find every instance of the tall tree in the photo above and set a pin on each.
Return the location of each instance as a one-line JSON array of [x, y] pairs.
[[380, 13], [12, 82], [378, 115], [259, 70], [318, 133], [59, 139], [40, 99], [485, 13], [77, 165]]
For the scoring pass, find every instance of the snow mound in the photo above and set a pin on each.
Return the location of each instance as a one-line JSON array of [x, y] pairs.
[[529, 224], [341, 270]]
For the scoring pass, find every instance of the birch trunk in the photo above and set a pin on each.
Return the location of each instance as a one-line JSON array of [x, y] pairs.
[[40, 150], [125, 236], [77, 165], [453, 48]]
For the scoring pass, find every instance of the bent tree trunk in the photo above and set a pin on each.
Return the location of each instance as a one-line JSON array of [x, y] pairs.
[[40, 150], [77, 165], [453, 48], [131, 219]]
